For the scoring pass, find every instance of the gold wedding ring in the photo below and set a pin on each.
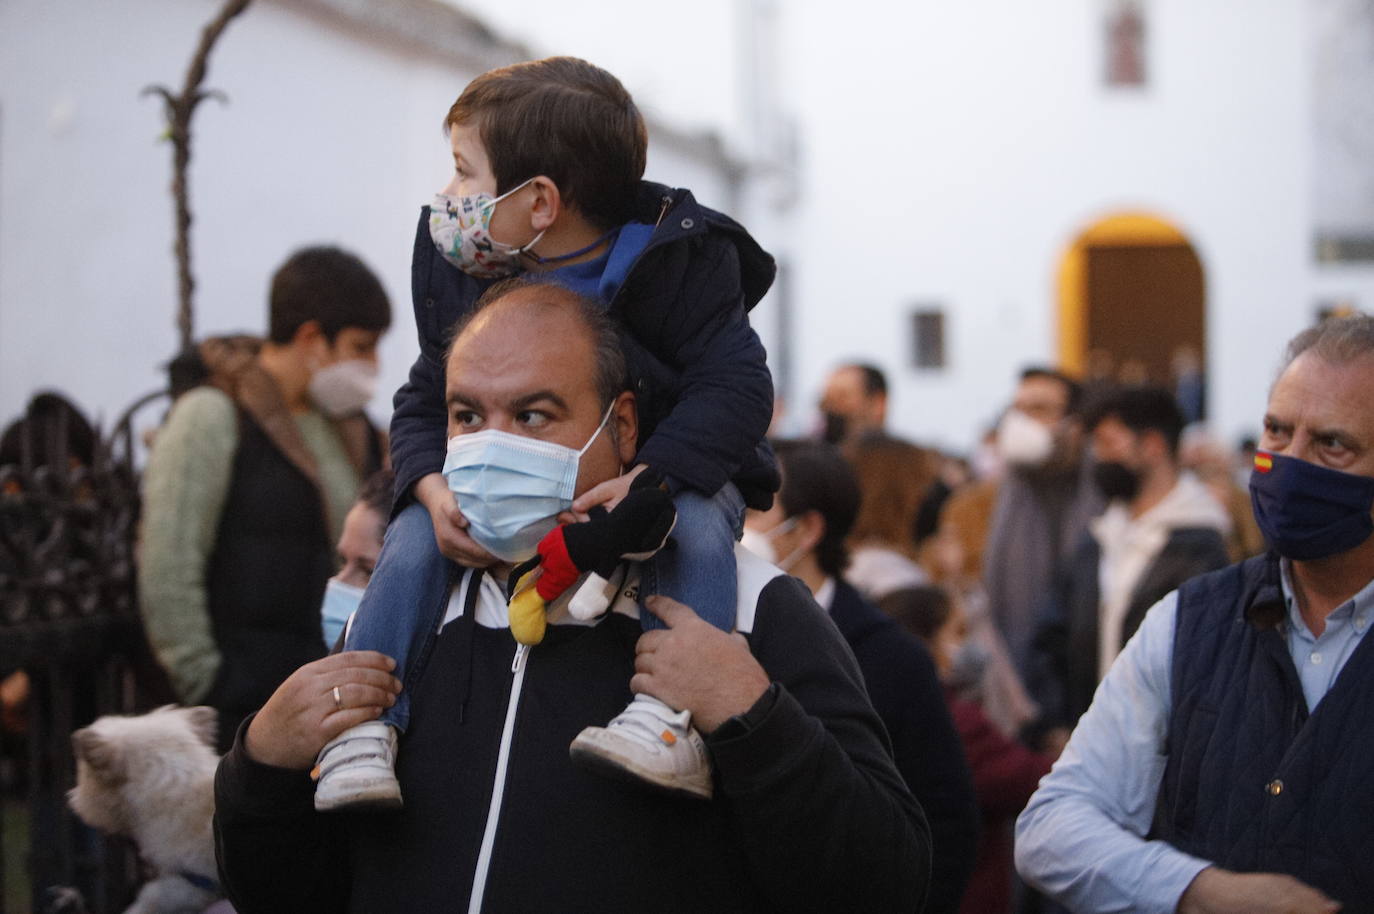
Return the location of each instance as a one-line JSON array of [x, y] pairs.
[[338, 700]]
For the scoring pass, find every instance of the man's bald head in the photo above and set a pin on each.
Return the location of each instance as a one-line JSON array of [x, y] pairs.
[[542, 301]]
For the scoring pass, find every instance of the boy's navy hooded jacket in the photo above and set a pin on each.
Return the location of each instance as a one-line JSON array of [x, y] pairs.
[[704, 392]]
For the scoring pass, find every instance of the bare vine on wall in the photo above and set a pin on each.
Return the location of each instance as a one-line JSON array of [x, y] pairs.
[[180, 108]]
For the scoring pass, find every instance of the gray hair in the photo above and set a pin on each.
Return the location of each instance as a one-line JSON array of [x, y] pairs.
[[612, 372], [1337, 340]]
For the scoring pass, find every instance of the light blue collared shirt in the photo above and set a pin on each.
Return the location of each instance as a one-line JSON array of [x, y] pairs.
[[1081, 839], [1319, 659]]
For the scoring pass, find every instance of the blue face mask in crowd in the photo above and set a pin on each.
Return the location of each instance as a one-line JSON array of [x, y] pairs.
[[1307, 511], [968, 668], [340, 601], [511, 488]]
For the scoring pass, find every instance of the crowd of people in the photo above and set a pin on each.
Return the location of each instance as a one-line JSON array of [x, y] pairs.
[[1070, 669], [1025, 577]]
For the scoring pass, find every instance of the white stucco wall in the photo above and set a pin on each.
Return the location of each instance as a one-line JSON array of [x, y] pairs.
[[959, 160], [950, 153], [329, 137]]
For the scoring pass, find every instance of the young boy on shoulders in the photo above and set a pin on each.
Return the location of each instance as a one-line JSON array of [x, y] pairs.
[[548, 163]]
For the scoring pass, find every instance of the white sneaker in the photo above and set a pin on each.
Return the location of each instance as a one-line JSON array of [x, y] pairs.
[[357, 770], [648, 742]]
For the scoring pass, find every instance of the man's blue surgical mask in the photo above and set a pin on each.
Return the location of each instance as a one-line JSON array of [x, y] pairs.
[[340, 601], [1307, 511], [512, 488]]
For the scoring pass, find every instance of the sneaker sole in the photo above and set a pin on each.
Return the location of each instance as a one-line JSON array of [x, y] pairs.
[[591, 758], [367, 796]]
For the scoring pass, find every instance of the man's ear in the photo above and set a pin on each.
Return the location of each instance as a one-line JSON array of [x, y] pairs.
[[546, 204], [811, 527], [308, 334], [877, 410], [625, 423]]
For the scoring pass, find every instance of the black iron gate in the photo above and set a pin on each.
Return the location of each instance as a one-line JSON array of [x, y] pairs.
[[69, 507]]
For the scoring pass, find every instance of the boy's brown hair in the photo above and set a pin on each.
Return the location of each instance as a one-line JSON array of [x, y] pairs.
[[564, 118]]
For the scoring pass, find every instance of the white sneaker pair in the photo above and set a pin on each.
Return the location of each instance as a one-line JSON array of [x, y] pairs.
[[647, 742]]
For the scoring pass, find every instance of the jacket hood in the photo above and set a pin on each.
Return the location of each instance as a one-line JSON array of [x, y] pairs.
[[226, 357], [230, 364], [1189, 505], [683, 215]]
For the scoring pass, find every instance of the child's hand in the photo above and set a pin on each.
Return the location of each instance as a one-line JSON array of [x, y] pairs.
[[450, 526], [608, 494]]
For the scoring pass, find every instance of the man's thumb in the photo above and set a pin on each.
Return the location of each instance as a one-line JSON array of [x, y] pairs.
[[669, 611]]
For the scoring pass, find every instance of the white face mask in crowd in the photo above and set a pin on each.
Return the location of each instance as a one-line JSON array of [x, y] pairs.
[[345, 387], [1022, 441], [760, 542]]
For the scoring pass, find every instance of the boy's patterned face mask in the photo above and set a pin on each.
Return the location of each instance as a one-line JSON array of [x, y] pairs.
[[461, 229]]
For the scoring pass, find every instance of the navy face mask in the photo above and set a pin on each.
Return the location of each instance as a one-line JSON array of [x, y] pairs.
[[1307, 511]]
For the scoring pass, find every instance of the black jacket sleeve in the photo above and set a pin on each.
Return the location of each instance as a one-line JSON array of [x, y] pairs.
[[274, 852], [440, 294], [419, 422], [722, 401], [822, 816], [905, 689], [1063, 658]]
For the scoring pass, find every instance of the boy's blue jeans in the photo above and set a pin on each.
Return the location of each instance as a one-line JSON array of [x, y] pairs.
[[406, 598]]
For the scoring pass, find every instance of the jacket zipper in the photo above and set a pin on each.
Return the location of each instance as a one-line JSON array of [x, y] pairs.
[[498, 791]]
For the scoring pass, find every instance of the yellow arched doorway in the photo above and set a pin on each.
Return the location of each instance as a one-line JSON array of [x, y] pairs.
[[1131, 301]]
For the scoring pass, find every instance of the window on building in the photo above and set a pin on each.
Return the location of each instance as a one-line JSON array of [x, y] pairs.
[[1125, 33], [928, 338]]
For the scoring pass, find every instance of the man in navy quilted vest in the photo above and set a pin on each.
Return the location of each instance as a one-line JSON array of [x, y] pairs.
[[1227, 761]]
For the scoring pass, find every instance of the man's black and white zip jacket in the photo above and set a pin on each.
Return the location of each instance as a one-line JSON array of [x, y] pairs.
[[809, 813]]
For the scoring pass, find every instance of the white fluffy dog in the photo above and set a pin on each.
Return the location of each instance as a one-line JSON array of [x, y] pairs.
[[151, 777]]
